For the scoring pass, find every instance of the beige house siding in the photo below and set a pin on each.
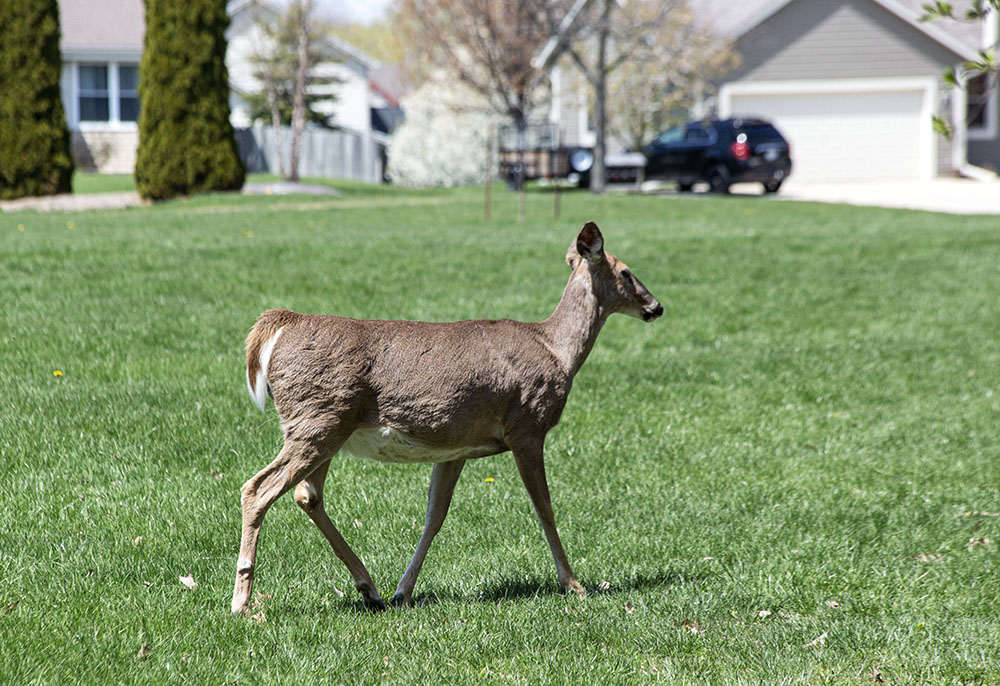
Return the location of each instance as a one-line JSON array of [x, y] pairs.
[[108, 152]]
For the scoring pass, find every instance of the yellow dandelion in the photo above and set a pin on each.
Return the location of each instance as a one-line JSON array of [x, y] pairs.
[[20, 227], [71, 226], [248, 233], [489, 479], [57, 373]]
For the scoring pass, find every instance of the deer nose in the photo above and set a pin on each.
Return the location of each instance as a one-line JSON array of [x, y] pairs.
[[651, 314]]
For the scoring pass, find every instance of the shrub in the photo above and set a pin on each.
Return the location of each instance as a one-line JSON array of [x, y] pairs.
[[443, 140], [35, 154], [186, 142]]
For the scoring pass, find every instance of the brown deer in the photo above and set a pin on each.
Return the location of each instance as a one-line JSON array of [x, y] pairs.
[[404, 391]]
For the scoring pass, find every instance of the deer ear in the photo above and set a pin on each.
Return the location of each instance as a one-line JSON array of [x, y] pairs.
[[590, 243]]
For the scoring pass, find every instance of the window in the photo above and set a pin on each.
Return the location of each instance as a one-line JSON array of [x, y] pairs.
[[672, 136], [696, 133], [128, 98], [94, 100], [107, 93], [981, 113]]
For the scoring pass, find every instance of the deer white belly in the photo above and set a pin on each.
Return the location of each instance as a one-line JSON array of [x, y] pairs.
[[385, 444]]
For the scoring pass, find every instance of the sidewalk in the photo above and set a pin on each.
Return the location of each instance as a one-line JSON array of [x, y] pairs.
[[955, 196]]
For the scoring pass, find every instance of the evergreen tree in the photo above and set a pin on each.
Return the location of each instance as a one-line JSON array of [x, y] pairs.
[[34, 142], [186, 142]]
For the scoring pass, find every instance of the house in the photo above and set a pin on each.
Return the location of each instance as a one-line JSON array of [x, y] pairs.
[[101, 46], [853, 85]]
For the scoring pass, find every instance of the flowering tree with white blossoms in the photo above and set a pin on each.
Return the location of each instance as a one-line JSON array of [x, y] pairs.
[[443, 141]]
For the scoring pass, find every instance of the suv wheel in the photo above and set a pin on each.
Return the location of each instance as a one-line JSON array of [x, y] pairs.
[[685, 187], [772, 186], [718, 179]]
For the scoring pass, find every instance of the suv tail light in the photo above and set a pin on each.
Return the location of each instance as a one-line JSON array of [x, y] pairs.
[[740, 150]]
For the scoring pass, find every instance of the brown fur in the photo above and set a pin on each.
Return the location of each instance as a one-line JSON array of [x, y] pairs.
[[427, 392]]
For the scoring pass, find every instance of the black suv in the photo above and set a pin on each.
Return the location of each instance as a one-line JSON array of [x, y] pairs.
[[722, 153]]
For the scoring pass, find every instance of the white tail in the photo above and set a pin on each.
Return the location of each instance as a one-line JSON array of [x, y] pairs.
[[402, 391], [258, 385]]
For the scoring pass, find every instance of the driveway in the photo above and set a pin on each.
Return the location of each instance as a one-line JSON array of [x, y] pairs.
[[955, 196]]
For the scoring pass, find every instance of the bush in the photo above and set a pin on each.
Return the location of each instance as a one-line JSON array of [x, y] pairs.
[[186, 142], [443, 140], [35, 154]]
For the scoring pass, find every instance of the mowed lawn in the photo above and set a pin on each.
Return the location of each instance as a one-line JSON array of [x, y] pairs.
[[792, 477]]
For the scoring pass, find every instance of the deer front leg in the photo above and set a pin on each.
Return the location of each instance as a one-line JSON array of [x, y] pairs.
[[443, 479], [528, 455], [309, 496]]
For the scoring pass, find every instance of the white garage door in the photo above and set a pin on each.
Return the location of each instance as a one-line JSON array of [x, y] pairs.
[[848, 136]]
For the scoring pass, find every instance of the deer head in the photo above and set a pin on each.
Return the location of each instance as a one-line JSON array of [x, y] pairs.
[[612, 282]]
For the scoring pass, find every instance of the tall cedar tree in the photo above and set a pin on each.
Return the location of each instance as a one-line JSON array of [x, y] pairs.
[[35, 154], [186, 143]]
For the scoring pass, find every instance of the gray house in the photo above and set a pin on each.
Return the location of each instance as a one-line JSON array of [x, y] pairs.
[[853, 85]]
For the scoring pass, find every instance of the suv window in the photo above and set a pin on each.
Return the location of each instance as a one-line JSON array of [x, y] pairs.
[[696, 133], [761, 132], [671, 136]]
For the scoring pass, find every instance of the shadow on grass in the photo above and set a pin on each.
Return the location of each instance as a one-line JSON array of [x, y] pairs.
[[537, 587], [521, 589]]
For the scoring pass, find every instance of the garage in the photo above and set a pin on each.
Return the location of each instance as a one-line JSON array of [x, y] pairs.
[[846, 131]]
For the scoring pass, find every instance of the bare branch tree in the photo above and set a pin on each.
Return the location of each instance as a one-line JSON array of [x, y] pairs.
[[487, 44], [613, 35], [286, 52]]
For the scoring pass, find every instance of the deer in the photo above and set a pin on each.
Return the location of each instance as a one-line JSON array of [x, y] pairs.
[[413, 392]]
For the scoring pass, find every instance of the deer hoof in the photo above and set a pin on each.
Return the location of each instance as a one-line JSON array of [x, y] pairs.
[[573, 586], [373, 601], [400, 599]]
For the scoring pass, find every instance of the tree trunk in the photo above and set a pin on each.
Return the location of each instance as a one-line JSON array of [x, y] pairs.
[[272, 102], [299, 107], [598, 174]]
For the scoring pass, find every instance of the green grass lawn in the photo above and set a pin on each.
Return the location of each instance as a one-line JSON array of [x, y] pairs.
[[792, 477]]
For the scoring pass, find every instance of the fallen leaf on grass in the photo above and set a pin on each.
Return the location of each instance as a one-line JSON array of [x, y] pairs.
[[137, 540], [924, 557], [604, 585], [764, 613], [338, 592], [216, 474], [189, 581], [10, 607], [629, 607], [876, 675], [259, 617], [691, 625], [977, 541], [143, 652], [357, 523], [818, 641], [834, 604]]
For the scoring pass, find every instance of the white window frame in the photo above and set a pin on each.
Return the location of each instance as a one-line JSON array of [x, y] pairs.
[[114, 121]]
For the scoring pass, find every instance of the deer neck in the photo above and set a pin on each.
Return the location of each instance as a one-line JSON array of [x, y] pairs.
[[573, 327]]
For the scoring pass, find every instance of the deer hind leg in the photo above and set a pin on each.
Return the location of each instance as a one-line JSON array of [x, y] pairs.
[[294, 463], [443, 479], [528, 455], [309, 496]]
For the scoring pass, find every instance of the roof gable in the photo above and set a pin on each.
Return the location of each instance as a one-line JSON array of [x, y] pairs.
[[737, 19]]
